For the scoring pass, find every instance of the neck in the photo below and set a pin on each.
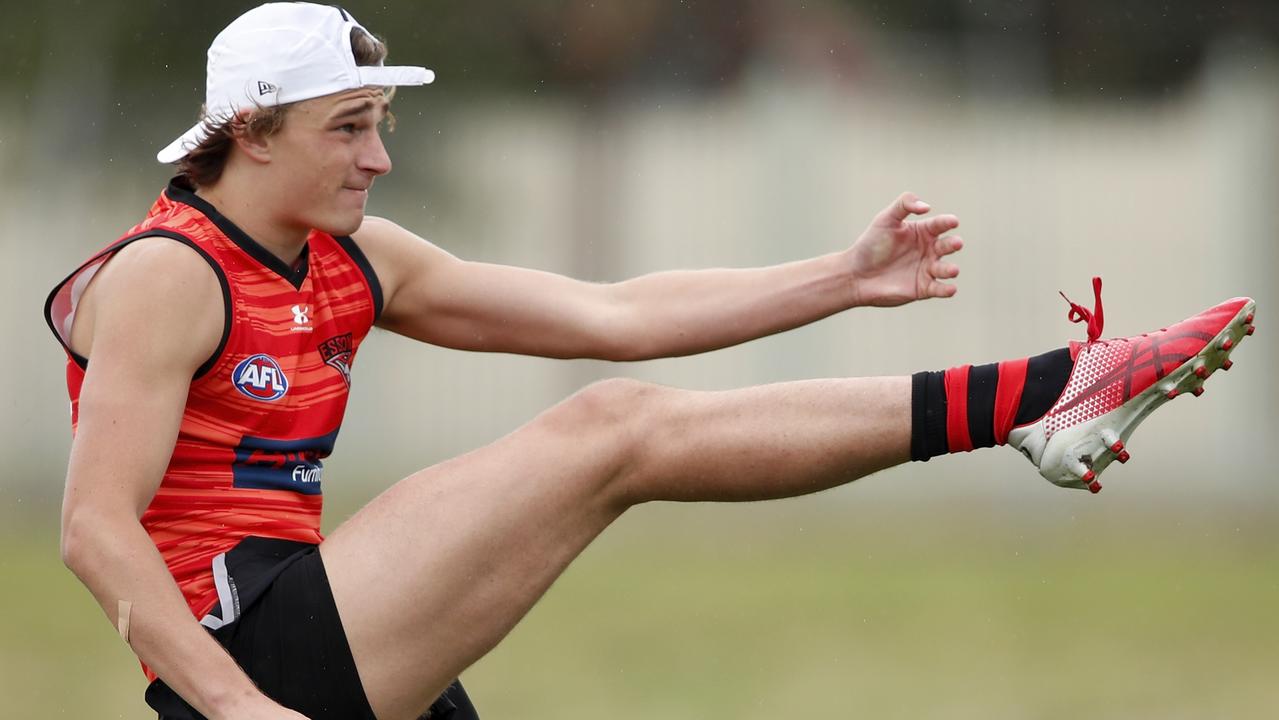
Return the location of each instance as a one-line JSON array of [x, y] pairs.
[[251, 212]]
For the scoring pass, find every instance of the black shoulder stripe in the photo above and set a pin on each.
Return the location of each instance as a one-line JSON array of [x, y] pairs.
[[357, 255], [115, 247], [226, 301]]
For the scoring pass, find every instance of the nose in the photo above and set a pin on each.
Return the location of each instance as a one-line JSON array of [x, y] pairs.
[[373, 158]]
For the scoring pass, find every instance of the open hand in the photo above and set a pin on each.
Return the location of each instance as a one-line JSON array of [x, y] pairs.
[[897, 260]]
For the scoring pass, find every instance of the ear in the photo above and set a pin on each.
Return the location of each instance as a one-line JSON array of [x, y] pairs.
[[255, 145]]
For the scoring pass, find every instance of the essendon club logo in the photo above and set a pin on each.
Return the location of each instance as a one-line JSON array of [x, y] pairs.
[[336, 353], [260, 377]]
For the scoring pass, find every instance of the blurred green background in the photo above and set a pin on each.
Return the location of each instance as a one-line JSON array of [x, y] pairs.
[[1134, 140]]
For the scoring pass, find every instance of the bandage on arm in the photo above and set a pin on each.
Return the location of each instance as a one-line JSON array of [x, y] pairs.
[[122, 619]]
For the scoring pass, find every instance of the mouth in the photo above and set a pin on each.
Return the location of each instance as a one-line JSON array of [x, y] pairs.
[[360, 193], [360, 186]]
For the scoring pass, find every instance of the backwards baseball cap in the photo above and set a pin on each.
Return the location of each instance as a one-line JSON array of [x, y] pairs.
[[281, 53]]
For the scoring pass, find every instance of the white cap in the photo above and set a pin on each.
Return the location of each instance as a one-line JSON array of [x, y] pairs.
[[282, 53]]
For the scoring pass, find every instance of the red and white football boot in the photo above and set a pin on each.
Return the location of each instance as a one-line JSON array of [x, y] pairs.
[[1116, 383]]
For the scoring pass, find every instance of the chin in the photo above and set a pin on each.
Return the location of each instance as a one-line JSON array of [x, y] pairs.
[[340, 225]]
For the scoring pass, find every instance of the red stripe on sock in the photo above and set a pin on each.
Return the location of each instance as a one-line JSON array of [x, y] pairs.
[[1012, 379], [957, 436]]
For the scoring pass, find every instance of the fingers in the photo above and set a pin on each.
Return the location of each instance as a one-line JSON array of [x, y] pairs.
[[907, 204], [940, 224], [943, 270], [943, 246], [938, 289]]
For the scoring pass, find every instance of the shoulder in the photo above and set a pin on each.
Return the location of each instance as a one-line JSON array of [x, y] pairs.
[[382, 236], [397, 255], [159, 267], [160, 290]]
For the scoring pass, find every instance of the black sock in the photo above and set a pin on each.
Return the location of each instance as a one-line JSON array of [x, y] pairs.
[[1033, 383]]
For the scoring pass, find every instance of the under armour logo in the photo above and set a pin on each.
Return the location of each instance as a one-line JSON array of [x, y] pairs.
[[301, 318], [266, 88]]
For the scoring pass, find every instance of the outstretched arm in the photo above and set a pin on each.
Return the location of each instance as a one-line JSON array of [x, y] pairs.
[[435, 297]]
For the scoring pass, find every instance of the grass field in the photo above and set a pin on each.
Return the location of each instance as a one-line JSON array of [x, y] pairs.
[[801, 610]]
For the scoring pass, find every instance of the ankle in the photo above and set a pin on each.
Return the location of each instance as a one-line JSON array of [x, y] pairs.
[[970, 407]]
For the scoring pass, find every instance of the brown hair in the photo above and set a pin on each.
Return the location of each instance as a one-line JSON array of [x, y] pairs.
[[203, 166]]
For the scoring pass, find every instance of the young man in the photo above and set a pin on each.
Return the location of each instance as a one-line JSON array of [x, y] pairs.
[[222, 330]]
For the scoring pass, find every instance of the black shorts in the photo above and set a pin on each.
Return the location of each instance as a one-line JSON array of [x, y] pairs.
[[277, 618]]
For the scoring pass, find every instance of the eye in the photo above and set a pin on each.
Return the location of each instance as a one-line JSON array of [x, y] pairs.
[[349, 128]]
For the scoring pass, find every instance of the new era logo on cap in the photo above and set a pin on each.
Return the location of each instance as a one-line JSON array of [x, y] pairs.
[[306, 51]]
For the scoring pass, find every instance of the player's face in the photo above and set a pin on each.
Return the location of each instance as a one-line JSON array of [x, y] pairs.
[[328, 153]]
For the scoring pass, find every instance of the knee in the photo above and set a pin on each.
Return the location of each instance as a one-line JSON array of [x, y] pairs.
[[611, 418], [613, 407]]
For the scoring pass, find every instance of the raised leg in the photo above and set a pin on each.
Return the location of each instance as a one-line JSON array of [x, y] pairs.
[[436, 570]]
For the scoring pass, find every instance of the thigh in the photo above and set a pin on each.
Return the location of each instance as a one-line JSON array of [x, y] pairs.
[[436, 570], [293, 646], [286, 634], [283, 630]]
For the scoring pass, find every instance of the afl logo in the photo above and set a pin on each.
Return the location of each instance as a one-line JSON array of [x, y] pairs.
[[261, 378]]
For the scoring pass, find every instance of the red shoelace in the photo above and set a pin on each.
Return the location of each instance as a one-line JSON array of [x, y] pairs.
[[1095, 318]]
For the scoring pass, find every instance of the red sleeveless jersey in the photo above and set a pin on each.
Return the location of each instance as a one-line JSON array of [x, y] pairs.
[[266, 407]]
